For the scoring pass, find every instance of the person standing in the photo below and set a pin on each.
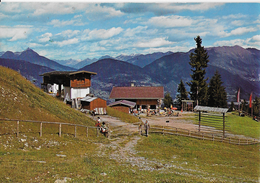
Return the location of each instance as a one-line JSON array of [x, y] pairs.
[[146, 127]]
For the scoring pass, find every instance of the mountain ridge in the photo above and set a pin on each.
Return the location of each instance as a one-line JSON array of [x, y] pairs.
[[33, 57], [239, 68]]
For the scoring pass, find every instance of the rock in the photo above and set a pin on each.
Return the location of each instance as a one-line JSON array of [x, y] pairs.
[[103, 174], [61, 155], [63, 181]]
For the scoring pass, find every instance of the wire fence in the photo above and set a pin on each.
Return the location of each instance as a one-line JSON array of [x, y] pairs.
[[60, 127], [204, 135]]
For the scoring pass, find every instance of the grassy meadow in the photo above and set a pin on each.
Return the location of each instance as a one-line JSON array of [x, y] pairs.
[[157, 158]]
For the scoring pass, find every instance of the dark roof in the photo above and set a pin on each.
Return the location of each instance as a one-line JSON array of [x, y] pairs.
[[123, 102], [145, 92], [67, 73], [211, 109]]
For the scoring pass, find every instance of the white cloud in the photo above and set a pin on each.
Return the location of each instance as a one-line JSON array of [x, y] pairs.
[[192, 7], [95, 11], [234, 16], [15, 33], [2, 16], [69, 33], [101, 33], [250, 42], [67, 42], [131, 32], [237, 23], [256, 38], [56, 8], [242, 30], [156, 42], [58, 23], [11, 7], [171, 21], [239, 42], [236, 32], [45, 37]]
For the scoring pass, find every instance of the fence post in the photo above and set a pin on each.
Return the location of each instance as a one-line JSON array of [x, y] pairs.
[[75, 129], [223, 125], [163, 130], [40, 129], [17, 129], [199, 119], [87, 131], [60, 130]]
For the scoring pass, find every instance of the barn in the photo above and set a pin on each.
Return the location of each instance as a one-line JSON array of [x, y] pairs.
[[94, 104], [145, 97], [123, 106]]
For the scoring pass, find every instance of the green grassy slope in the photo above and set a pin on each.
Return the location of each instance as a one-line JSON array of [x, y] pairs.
[[20, 99]]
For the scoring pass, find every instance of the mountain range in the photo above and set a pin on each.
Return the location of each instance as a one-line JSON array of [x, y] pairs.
[[31, 56], [239, 68]]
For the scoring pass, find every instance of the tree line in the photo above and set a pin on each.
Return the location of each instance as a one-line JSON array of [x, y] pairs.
[[212, 94]]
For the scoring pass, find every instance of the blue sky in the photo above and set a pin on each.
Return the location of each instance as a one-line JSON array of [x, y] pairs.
[[88, 30]]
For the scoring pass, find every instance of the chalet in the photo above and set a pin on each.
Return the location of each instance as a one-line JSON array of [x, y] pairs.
[[145, 97], [123, 106], [70, 85]]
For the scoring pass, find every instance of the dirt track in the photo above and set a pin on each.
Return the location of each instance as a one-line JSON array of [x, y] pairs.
[[178, 122]]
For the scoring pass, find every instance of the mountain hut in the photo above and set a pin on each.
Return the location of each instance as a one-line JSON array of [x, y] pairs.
[[145, 97]]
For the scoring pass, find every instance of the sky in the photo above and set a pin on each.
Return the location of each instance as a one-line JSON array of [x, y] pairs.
[[62, 31]]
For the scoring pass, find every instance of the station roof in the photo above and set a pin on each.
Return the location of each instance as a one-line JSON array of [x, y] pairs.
[[211, 109], [88, 99], [123, 102]]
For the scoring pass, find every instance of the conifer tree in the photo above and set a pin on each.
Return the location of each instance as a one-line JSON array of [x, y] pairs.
[[216, 92], [167, 100], [198, 86], [182, 94]]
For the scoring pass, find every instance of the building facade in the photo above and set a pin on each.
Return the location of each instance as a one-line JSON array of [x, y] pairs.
[[145, 97]]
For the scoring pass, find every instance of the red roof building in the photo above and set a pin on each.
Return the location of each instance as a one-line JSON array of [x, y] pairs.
[[144, 97]]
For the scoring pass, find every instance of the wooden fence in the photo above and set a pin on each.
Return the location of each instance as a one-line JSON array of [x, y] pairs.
[[60, 124], [231, 139]]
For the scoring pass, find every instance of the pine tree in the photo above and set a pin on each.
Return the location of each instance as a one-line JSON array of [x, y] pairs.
[[167, 100], [216, 92], [182, 94], [198, 86]]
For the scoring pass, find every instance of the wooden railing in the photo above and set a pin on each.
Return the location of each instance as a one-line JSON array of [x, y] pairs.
[[231, 139], [47, 122]]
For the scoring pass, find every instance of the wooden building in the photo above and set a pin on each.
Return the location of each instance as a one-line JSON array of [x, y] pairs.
[[94, 104], [74, 84], [145, 97], [74, 87], [123, 106]]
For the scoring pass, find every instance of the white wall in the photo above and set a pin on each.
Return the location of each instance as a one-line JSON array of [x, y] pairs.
[[79, 92]]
